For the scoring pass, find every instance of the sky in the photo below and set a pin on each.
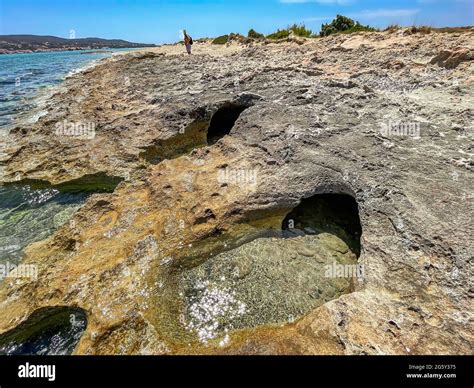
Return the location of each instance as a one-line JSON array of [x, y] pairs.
[[159, 21]]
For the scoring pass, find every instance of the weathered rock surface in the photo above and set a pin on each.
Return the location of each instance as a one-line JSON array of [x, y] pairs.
[[326, 116], [451, 59]]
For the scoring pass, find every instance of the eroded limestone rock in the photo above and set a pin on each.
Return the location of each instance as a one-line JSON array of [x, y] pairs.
[[396, 138]]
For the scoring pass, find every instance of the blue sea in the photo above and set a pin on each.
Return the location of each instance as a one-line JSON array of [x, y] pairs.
[[23, 77]]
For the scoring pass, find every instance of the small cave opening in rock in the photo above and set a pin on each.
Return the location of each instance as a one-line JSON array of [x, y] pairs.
[[337, 214], [48, 331], [192, 137], [223, 121], [199, 133]]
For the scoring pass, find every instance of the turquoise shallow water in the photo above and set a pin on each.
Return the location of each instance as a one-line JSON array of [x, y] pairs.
[[28, 215], [23, 76]]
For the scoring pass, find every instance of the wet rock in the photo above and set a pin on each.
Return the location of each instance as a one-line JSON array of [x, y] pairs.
[[303, 251], [50, 331], [243, 267]]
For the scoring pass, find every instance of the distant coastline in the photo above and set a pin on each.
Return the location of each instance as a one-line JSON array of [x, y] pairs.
[[19, 44]]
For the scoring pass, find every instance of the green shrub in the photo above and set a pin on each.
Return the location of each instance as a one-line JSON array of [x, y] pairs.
[[255, 35], [279, 34], [343, 24], [297, 29], [301, 30], [221, 39]]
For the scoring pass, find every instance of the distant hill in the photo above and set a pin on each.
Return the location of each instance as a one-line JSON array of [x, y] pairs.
[[34, 43]]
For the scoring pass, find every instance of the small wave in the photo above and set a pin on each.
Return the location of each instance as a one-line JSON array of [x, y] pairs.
[[83, 68]]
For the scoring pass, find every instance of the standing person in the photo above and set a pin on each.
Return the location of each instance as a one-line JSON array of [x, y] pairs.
[[188, 42]]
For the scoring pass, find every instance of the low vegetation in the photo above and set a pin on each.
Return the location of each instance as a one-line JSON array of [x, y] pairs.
[[343, 24], [296, 29], [255, 35], [420, 29], [232, 37], [340, 25], [392, 28], [223, 39]]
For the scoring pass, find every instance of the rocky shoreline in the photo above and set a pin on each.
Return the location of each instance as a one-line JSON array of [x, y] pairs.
[[208, 145]]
